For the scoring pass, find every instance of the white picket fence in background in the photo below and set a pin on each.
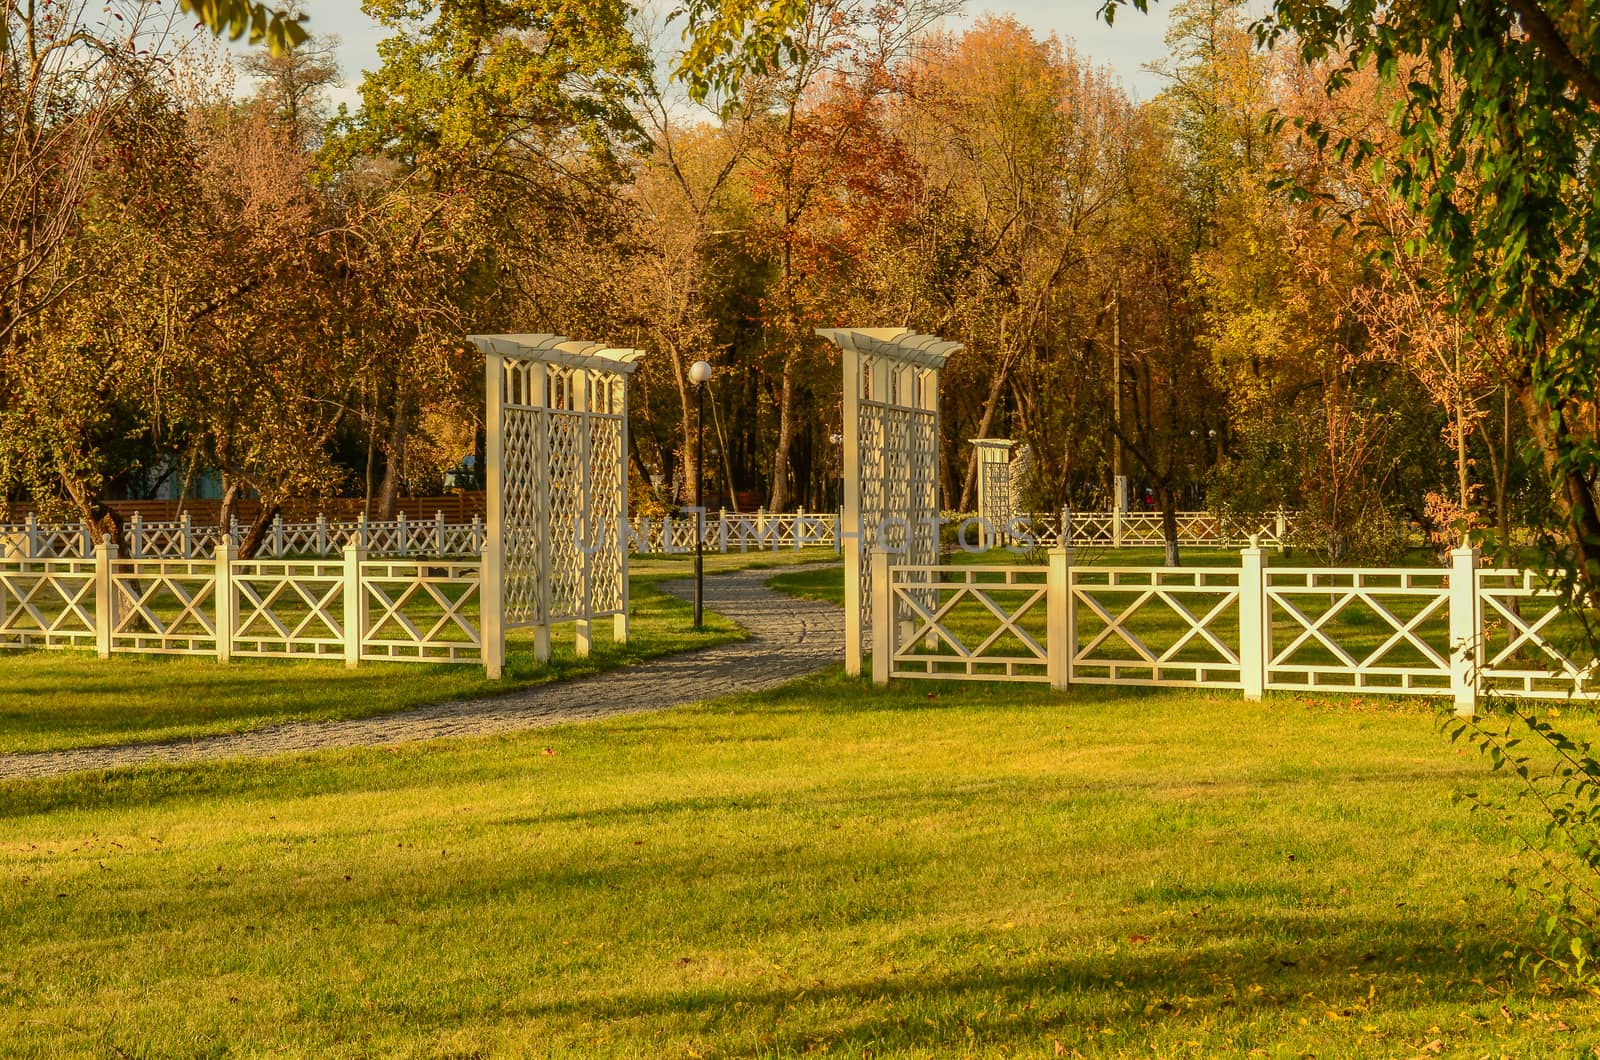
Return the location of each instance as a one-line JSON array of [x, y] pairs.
[[724, 532], [1461, 632], [1145, 529], [356, 608], [183, 539]]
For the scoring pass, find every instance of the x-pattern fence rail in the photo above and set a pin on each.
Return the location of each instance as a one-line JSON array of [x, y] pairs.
[[357, 608], [1461, 631], [935, 639], [724, 532], [1153, 626]]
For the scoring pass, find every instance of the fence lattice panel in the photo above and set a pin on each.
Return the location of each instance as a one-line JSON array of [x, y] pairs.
[[163, 607], [47, 604], [1379, 630], [975, 623], [1530, 647], [1154, 626], [288, 608], [421, 612]]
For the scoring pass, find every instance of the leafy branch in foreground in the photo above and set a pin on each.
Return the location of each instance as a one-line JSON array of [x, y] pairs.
[[279, 30], [1560, 775]]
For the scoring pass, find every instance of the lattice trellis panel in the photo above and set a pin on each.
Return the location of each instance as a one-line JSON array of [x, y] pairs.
[[891, 460], [557, 487], [994, 483]]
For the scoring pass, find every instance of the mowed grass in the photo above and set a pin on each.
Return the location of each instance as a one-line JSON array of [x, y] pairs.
[[56, 700], [925, 871]]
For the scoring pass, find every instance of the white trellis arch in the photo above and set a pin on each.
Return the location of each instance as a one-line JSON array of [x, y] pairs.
[[994, 486], [557, 489], [891, 459]]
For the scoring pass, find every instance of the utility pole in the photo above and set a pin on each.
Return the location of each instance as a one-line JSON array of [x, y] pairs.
[[1119, 484]]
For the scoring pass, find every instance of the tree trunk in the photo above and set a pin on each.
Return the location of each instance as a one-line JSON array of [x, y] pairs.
[[230, 496], [969, 483], [1168, 500], [779, 500], [258, 530], [1573, 499], [389, 492], [686, 459]]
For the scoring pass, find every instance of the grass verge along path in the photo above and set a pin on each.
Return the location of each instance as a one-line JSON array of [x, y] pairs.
[[785, 639], [952, 870], [60, 700]]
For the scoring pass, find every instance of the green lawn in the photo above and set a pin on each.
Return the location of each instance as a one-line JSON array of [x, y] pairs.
[[926, 871], [53, 700]]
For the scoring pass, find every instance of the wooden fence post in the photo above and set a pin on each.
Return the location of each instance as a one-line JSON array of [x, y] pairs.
[[883, 610], [438, 532], [1254, 636], [278, 545], [1281, 525], [491, 609], [33, 536], [136, 536], [1058, 625], [355, 604], [1465, 638], [1116, 528], [186, 536], [361, 532], [322, 534], [222, 596], [104, 608]]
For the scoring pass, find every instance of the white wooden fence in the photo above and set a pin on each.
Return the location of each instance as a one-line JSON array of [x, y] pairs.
[[182, 539], [1461, 631], [356, 608], [724, 532], [1144, 529]]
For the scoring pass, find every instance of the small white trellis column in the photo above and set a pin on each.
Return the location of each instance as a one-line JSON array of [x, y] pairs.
[[891, 460], [994, 487], [557, 489]]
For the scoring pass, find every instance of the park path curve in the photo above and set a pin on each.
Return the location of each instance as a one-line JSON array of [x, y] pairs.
[[789, 638]]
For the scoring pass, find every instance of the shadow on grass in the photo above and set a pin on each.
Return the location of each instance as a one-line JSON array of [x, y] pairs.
[[1212, 978]]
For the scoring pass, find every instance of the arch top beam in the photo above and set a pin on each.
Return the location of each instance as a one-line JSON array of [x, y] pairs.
[[574, 353], [899, 344]]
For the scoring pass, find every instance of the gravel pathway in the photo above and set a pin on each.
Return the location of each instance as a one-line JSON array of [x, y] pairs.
[[789, 638]]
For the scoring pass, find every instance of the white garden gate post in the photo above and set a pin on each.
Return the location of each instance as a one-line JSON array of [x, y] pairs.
[[557, 489], [883, 625], [1059, 633], [222, 595], [891, 459], [1255, 636], [1465, 637], [994, 487], [355, 605], [105, 619]]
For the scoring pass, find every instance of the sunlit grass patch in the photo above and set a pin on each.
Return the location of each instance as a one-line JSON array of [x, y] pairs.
[[972, 870]]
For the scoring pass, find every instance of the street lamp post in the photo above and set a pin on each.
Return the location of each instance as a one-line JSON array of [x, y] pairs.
[[699, 375]]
